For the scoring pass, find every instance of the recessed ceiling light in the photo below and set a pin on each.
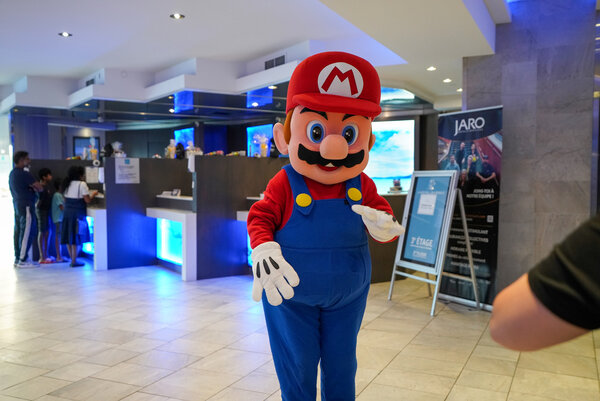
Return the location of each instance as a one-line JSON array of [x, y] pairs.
[[65, 34], [447, 81], [171, 110], [177, 16], [170, 97], [597, 25], [431, 68], [15, 109], [86, 105], [254, 104], [459, 90], [272, 87]]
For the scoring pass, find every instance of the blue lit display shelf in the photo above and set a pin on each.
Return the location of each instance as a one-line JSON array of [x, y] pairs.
[[99, 245], [176, 238]]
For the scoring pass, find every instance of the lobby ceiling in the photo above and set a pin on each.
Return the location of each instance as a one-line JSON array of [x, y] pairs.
[[132, 51]]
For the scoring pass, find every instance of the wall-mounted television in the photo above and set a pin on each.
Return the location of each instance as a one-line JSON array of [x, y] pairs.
[[392, 158]]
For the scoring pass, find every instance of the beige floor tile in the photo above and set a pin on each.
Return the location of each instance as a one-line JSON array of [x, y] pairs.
[[401, 326], [82, 347], [572, 365], [555, 386], [255, 342], [141, 345], [580, 346], [460, 393], [192, 384], [491, 365], [136, 375], [166, 334], [258, 382], [8, 398], [33, 345], [484, 381], [445, 342], [35, 388], [214, 336], [43, 398], [139, 396], [378, 392], [496, 353], [408, 363], [196, 348], [364, 377], [267, 368], [234, 394], [75, 371], [66, 334], [92, 389], [513, 396], [275, 396], [374, 358], [111, 336], [164, 360], [9, 355], [47, 359], [13, 336], [111, 357], [231, 361], [383, 339], [437, 353], [421, 382]]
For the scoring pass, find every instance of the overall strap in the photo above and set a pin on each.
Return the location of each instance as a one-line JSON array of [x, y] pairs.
[[303, 201], [353, 191]]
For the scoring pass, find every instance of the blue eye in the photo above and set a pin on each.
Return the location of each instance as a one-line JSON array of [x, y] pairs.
[[350, 133], [315, 131]]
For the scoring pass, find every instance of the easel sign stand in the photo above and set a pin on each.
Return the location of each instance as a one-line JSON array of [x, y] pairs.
[[427, 219]]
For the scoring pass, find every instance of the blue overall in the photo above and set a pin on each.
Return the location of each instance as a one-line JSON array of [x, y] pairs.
[[326, 243]]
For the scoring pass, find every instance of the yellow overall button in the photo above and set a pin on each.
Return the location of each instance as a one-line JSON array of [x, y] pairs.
[[303, 200], [354, 194]]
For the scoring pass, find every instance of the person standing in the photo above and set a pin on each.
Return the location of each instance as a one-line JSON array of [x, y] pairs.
[[23, 187], [42, 212], [77, 196], [58, 205]]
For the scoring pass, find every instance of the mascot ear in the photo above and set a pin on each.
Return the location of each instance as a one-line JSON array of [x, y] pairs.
[[279, 137]]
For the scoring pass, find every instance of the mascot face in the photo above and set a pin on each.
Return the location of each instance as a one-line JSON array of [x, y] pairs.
[[332, 99], [328, 147]]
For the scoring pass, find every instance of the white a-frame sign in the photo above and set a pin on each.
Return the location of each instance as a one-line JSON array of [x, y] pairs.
[[427, 218]]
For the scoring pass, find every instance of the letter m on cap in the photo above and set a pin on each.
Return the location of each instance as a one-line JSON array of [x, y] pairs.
[[342, 76]]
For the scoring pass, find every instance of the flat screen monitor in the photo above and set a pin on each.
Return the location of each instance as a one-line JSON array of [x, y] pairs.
[[392, 158]]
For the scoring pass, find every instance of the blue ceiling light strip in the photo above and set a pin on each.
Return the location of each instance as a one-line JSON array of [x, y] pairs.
[[183, 101]]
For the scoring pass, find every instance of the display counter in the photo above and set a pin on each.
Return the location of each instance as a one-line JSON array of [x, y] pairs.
[[99, 245], [176, 243]]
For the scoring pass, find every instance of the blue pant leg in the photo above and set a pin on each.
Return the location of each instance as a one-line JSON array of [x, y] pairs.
[[27, 230], [294, 337], [339, 332]]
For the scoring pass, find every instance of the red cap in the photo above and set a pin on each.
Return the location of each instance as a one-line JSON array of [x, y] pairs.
[[337, 82]]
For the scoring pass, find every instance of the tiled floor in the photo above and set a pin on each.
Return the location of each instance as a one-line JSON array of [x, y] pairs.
[[141, 334]]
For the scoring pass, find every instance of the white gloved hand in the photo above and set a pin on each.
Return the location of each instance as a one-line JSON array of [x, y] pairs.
[[381, 225], [272, 273]]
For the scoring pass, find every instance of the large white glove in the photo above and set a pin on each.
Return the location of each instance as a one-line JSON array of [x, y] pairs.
[[381, 225], [272, 273]]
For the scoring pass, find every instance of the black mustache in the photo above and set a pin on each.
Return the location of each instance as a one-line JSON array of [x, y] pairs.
[[312, 157]]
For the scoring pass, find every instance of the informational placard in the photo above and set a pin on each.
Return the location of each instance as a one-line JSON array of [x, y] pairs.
[[91, 175], [471, 142], [127, 171], [430, 203]]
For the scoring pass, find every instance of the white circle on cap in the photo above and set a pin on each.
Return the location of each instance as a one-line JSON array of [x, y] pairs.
[[341, 79]]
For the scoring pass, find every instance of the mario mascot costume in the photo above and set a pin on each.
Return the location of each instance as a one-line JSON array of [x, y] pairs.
[[311, 253]]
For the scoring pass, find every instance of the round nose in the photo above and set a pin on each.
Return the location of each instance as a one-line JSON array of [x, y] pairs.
[[334, 147]]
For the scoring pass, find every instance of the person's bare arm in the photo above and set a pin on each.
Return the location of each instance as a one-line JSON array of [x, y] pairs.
[[521, 322]]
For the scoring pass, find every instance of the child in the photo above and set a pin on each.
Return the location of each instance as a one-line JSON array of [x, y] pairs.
[[58, 205], [42, 211]]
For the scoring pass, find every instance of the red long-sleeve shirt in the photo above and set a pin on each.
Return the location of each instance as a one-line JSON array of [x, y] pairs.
[[272, 213]]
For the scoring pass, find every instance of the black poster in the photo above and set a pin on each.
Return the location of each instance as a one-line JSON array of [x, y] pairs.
[[470, 142]]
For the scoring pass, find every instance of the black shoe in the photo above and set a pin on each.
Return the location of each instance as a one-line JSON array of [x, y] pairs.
[[77, 264]]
